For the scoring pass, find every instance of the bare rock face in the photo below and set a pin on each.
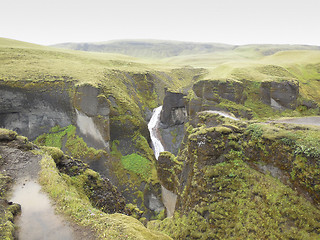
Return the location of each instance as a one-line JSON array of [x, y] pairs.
[[209, 93], [280, 95], [173, 110], [92, 116], [172, 118], [32, 110], [214, 90]]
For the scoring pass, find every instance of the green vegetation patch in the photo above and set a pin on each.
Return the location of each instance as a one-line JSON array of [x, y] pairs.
[[74, 145], [137, 164]]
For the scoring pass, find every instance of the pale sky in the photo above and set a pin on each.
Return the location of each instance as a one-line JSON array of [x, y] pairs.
[[225, 21]]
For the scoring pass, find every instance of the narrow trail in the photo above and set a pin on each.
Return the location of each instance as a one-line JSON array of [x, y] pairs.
[[315, 121], [38, 219]]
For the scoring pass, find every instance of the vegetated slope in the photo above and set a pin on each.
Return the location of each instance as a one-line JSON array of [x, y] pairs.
[[244, 180], [80, 193]]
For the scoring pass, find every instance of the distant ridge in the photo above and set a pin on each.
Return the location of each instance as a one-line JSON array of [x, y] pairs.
[[166, 49]]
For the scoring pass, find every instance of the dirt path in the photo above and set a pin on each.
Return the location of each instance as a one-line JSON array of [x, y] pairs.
[[315, 121], [38, 219]]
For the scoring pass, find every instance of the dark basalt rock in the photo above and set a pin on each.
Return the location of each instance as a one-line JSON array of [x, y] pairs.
[[152, 196], [214, 90], [173, 109], [32, 111], [280, 95]]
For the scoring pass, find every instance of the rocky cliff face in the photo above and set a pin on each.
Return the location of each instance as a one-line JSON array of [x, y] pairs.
[[280, 95], [173, 109], [211, 95], [172, 118], [32, 109], [214, 90]]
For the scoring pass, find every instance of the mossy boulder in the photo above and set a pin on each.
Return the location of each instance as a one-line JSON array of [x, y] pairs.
[[100, 191], [7, 135]]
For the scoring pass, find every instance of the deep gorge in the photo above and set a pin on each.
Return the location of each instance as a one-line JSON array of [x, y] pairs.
[[237, 156]]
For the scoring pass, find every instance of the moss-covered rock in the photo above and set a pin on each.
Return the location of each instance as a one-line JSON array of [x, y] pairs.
[[8, 210], [169, 170], [7, 135]]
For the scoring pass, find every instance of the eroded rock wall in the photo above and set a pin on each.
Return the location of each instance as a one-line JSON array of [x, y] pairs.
[[173, 117], [280, 95], [33, 108]]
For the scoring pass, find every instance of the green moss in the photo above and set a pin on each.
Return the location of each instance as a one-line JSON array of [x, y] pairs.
[[7, 212], [6, 134], [74, 145], [54, 152], [142, 146], [137, 164]]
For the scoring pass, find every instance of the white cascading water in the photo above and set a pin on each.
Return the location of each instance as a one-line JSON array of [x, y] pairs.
[[153, 129], [168, 198]]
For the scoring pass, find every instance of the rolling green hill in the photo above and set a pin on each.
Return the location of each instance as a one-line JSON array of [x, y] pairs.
[[165, 49]]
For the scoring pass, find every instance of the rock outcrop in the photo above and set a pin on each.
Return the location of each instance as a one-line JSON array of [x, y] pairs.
[[172, 118], [32, 109], [222, 195], [213, 90], [173, 109], [280, 95], [209, 94], [168, 170]]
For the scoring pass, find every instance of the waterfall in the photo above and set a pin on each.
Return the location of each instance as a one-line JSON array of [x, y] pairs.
[[168, 198], [154, 133]]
